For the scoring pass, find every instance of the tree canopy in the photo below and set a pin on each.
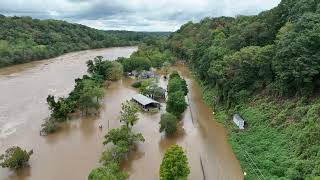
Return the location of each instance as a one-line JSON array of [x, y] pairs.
[[174, 164], [23, 39]]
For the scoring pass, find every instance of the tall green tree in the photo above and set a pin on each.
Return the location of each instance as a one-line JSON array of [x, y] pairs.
[[297, 60], [174, 164], [176, 103]]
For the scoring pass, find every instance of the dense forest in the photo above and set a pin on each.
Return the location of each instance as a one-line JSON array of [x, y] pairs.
[[267, 69], [23, 39]]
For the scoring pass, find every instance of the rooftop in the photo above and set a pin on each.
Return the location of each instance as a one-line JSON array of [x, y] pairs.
[[143, 100]]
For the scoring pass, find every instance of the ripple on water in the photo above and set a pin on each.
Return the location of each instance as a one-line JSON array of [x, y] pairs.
[[7, 128]]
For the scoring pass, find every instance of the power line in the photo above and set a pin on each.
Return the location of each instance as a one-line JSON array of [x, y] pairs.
[[251, 162]]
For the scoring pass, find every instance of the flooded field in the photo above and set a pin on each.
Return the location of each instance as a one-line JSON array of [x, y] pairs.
[[72, 152]]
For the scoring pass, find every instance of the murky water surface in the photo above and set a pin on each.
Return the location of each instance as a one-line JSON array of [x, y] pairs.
[[71, 153]]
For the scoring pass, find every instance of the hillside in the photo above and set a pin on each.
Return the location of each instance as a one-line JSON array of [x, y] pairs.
[[23, 39], [267, 69]]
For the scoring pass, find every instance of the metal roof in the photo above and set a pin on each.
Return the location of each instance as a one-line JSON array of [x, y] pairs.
[[144, 100]]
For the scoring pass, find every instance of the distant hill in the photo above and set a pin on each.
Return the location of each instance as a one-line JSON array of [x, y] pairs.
[[23, 39]]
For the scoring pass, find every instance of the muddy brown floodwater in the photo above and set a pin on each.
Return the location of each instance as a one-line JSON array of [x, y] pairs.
[[71, 153]]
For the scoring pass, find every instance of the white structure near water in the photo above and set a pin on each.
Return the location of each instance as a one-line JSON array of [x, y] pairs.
[[238, 121], [145, 102]]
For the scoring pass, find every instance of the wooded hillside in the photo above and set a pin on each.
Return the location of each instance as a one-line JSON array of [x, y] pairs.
[[23, 39], [267, 69]]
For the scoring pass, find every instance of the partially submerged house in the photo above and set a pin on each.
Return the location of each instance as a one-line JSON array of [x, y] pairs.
[[147, 75], [145, 102], [239, 121], [156, 92]]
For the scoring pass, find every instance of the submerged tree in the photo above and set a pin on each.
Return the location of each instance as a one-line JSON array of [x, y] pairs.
[[128, 113], [116, 71], [15, 158], [90, 95], [108, 172], [168, 123]]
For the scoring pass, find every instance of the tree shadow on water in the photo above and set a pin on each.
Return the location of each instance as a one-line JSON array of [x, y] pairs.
[[166, 141]]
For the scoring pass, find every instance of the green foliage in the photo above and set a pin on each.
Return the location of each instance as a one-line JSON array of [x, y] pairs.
[[100, 67], [177, 90], [49, 126], [153, 91], [59, 109], [281, 138], [145, 58], [90, 95], [23, 39], [128, 114], [177, 84], [15, 158], [109, 172], [136, 63], [86, 93], [145, 84], [123, 140], [176, 103], [136, 84], [124, 134], [174, 165], [243, 63], [168, 123], [116, 71], [297, 62]]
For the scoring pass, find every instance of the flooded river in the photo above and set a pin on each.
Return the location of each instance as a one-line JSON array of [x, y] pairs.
[[71, 153]]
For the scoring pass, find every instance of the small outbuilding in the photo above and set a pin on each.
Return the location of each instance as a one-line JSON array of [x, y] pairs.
[[239, 121], [145, 102]]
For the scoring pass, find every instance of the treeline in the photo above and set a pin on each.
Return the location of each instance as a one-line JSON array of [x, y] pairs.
[[248, 65], [23, 39], [176, 103], [86, 93], [147, 56]]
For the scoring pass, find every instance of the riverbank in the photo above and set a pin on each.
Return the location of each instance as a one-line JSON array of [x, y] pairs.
[[273, 145]]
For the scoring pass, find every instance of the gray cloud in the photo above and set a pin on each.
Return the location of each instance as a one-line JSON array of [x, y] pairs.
[[141, 15]]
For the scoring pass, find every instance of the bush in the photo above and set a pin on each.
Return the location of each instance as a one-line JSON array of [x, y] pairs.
[[50, 126], [168, 123], [136, 84], [110, 172], [15, 158], [174, 165]]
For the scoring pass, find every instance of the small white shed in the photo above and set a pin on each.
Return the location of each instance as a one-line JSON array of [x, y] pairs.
[[239, 121]]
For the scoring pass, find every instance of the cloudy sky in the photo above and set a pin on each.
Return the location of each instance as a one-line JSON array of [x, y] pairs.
[[138, 15]]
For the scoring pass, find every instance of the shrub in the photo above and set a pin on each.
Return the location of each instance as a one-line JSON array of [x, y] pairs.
[[15, 158], [50, 126], [109, 172], [136, 84], [168, 123]]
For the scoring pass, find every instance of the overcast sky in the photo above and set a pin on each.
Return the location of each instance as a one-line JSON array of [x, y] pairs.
[[137, 15]]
